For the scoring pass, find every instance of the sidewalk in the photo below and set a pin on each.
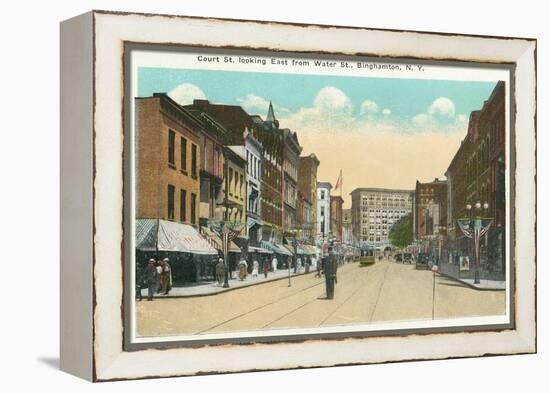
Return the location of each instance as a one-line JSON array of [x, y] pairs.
[[207, 288], [487, 285]]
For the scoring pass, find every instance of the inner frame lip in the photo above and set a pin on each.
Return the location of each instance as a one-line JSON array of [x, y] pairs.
[[134, 344]]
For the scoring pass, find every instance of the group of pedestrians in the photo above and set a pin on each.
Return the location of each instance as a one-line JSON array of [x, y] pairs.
[[158, 279]]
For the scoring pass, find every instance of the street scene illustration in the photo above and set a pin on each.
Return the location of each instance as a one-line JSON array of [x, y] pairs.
[[273, 200]]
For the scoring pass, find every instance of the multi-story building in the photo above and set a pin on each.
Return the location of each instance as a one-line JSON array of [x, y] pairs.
[[254, 158], [307, 197], [477, 174], [336, 217], [244, 135], [212, 138], [323, 210], [430, 209], [347, 230], [234, 204], [167, 161], [271, 139], [291, 162], [374, 211]]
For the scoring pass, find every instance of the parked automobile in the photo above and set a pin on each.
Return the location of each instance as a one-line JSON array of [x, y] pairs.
[[398, 258], [407, 257], [423, 261]]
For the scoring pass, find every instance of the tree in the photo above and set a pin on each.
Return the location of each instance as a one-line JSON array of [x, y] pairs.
[[401, 233]]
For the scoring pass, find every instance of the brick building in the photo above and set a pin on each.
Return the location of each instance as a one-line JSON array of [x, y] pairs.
[[336, 217], [477, 174], [430, 209], [291, 162], [306, 218], [167, 161]]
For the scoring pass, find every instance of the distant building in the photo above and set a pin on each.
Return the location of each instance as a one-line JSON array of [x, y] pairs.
[[477, 174], [347, 230], [430, 209], [323, 210], [307, 197], [336, 217], [374, 211]]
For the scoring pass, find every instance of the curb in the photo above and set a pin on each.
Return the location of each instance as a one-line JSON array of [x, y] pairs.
[[470, 285], [226, 289]]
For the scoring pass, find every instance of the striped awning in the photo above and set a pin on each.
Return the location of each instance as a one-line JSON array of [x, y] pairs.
[[276, 248], [217, 243], [161, 235]]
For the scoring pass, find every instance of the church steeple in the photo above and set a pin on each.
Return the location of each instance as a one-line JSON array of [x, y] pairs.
[[271, 116]]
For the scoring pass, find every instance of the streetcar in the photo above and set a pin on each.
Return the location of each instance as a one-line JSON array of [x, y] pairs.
[[367, 258]]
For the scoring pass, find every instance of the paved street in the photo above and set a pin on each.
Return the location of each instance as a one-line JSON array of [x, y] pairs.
[[385, 291]]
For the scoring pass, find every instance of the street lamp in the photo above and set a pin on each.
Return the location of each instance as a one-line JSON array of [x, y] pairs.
[[475, 228]]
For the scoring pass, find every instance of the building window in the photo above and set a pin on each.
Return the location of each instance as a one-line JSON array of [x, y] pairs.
[[171, 192], [322, 194], [241, 186], [230, 181], [183, 205], [194, 160], [171, 147], [183, 154], [193, 208]]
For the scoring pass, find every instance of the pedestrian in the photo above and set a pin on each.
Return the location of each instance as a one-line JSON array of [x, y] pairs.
[[308, 262], [330, 267], [274, 263], [139, 281], [220, 271], [266, 267], [318, 269], [158, 266], [242, 269], [255, 268], [298, 266], [314, 261], [151, 276], [166, 276]]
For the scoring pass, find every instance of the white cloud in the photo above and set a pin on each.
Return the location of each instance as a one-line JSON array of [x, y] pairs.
[[254, 103], [185, 93], [442, 108], [369, 108], [462, 118], [331, 111], [330, 99], [439, 115], [421, 119], [386, 112]]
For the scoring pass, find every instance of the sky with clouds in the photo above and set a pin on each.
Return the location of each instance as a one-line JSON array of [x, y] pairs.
[[382, 132]]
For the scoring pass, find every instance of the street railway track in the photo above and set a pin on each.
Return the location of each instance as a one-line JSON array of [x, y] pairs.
[[300, 292]]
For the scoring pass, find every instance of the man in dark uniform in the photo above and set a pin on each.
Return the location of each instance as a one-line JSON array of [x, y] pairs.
[[330, 266]]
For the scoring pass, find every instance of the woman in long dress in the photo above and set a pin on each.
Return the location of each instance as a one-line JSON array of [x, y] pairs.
[[255, 268], [242, 269]]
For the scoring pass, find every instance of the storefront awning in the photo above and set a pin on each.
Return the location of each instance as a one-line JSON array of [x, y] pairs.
[[276, 248], [161, 235], [217, 243], [310, 250], [259, 250]]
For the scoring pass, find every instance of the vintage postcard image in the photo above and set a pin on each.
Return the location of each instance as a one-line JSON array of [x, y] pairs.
[[280, 194]]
